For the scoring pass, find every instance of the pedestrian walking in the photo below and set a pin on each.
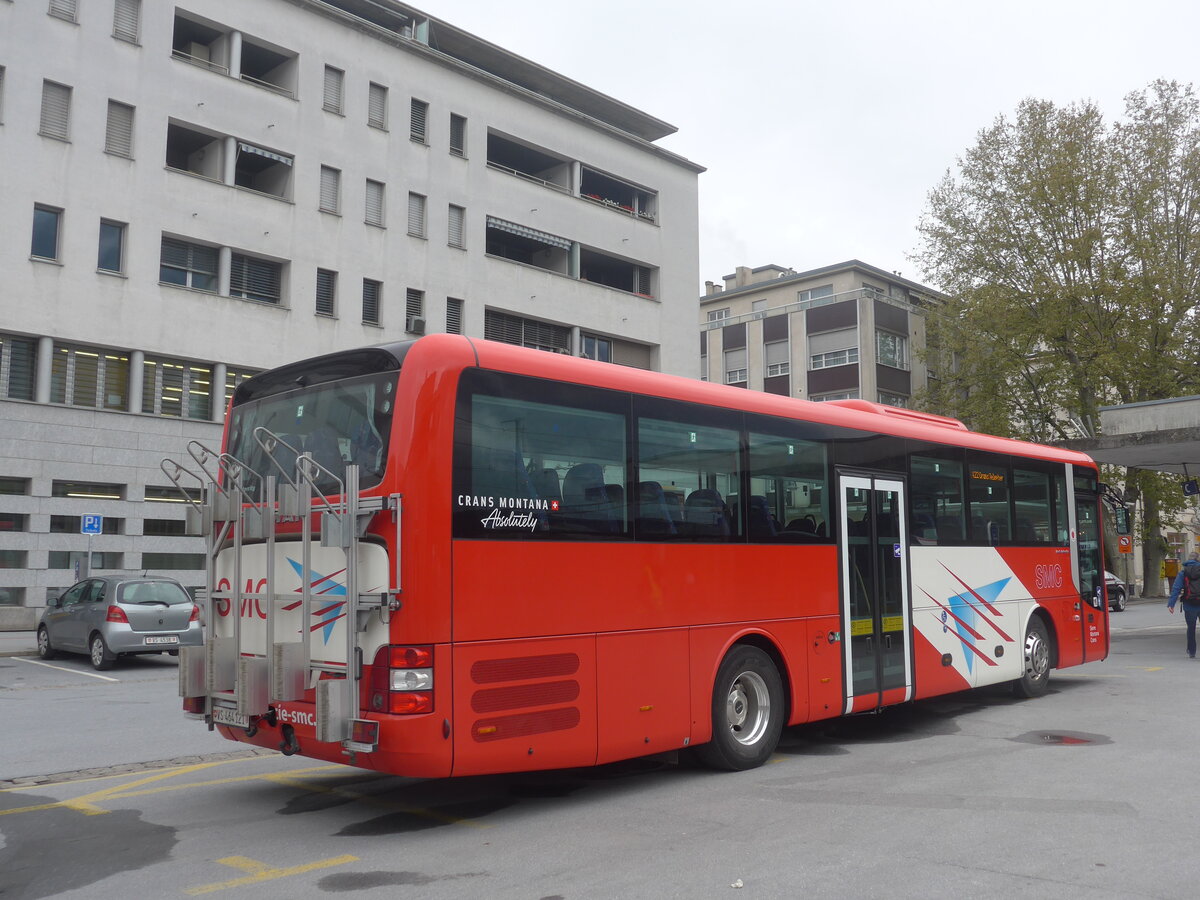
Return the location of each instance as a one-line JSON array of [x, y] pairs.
[[1187, 589]]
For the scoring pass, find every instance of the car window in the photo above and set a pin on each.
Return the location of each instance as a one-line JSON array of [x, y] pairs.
[[99, 590], [151, 592], [75, 594]]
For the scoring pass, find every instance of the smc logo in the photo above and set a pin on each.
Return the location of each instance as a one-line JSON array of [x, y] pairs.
[[1048, 577]]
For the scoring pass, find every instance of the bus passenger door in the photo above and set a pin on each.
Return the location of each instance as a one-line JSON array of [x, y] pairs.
[[873, 551], [1092, 610]]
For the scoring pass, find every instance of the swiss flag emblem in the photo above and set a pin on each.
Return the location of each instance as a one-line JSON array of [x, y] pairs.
[[554, 506]]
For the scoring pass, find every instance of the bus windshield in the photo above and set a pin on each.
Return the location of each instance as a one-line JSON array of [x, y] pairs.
[[338, 422]]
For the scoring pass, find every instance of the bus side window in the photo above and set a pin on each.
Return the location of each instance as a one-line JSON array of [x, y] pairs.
[[788, 483], [936, 487]]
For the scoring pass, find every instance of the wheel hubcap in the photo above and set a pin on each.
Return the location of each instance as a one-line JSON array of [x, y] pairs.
[[1037, 656], [97, 651], [43, 641], [748, 708]]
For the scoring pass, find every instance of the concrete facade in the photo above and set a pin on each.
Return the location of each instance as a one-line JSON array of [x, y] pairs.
[[196, 192], [846, 331]]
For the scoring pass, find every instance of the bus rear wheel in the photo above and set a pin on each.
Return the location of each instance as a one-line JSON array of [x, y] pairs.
[[1035, 677], [747, 711]]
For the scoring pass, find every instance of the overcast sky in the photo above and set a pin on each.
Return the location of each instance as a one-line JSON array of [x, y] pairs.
[[824, 125]]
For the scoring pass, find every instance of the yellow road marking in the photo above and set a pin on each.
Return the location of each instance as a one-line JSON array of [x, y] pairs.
[[260, 872]]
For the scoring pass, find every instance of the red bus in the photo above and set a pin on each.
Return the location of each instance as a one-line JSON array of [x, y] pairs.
[[452, 557]]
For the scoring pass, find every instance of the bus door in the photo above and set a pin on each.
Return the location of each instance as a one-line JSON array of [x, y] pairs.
[[873, 553], [1090, 607]]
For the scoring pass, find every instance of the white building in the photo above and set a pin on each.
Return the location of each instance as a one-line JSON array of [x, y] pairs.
[[192, 192]]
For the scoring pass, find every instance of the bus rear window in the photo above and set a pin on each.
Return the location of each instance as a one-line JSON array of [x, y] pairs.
[[338, 423]]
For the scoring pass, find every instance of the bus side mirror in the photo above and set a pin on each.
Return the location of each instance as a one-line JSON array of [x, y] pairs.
[[1121, 514]]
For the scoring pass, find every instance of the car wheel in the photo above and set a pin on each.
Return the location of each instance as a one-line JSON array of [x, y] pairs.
[[1118, 599], [102, 657], [45, 651], [747, 711], [1035, 678]]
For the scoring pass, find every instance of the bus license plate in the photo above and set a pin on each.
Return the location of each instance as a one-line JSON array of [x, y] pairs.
[[223, 715], [163, 639]]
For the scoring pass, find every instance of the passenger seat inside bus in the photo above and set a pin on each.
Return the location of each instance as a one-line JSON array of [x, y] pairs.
[[762, 526], [706, 514], [653, 514], [586, 505]]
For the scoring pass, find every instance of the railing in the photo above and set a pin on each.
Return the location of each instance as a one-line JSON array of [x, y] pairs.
[[618, 207], [200, 62], [267, 85], [855, 294], [527, 177]]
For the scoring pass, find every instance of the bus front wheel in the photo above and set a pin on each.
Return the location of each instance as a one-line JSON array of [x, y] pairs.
[[747, 711], [1035, 676]]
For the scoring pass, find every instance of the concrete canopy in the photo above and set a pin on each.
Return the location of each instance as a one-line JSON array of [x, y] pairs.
[[1163, 435]]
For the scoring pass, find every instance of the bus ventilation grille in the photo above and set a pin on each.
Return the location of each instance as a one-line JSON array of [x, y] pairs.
[[514, 695]]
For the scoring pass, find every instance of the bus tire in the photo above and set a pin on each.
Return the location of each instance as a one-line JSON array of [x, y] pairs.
[[747, 711], [1035, 676]]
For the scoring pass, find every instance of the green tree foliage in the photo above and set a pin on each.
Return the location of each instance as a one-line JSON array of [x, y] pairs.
[[1070, 251]]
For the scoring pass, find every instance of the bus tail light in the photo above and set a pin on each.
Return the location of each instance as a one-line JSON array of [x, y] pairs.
[[402, 680], [116, 614]]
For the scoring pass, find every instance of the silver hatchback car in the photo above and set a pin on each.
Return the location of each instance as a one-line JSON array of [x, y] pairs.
[[109, 616]]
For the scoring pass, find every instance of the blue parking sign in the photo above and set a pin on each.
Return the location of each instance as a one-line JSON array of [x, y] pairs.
[[91, 524]]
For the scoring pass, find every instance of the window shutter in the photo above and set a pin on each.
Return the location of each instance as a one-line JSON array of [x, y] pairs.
[[118, 135], [374, 210], [255, 279], [643, 280], [330, 182], [126, 14], [458, 135], [417, 115], [371, 301], [414, 302], [64, 9], [457, 216], [377, 106], [333, 89], [326, 291], [454, 311], [416, 215], [22, 366], [56, 110]]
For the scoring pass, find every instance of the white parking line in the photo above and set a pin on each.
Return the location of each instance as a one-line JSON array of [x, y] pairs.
[[38, 662]]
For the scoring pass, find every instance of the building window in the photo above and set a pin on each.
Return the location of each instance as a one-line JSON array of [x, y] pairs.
[[255, 279], [82, 376], [377, 96], [14, 487], [163, 527], [716, 315], [891, 349], [817, 293], [232, 380], [454, 313], [498, 326], [842, 395], [177, 389], [374, 203], [416, 215], [736, 371], [126, 19], [597, 348], [118, 134], [87, 490], [71, 525], [458, 135], [13, 559], [18, 363], [188, 265], [111, 254], [64, 9], [777, 357], [418, 112], [414, 311], [893, 399], [164, 562], [331, 189], [456, 230], [371, 296], [334, 79], [10, 522], [56, 111], [326, 292], [834, 358], [47, 222], [262, 170], [155, 494]]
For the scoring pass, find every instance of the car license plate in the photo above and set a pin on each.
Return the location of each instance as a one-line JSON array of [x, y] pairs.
[[223, 715], [163, 639]]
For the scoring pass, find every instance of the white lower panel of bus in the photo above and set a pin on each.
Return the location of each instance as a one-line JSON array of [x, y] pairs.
[[327, 614]]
